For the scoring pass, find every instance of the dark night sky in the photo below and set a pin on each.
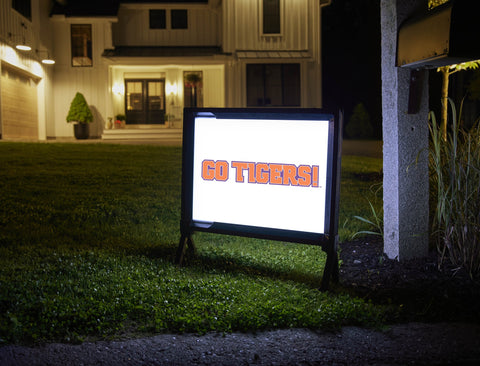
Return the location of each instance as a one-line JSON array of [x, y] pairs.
[[351, 57]]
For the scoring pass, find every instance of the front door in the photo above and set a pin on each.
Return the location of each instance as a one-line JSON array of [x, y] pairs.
[[145, 101]]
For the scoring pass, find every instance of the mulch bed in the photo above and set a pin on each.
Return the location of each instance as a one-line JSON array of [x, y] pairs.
[[424, 291]]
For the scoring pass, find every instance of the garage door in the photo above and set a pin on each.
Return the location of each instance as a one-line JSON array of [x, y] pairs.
[[19, 117]]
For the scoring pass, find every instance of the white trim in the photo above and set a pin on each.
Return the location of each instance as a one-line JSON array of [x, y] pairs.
[[83, 20], [154, 6], [282, 21]]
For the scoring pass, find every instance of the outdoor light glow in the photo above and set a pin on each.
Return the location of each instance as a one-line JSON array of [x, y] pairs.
[[118, 88], [263, 173], [11, 56], [23, 47], [172, 88]]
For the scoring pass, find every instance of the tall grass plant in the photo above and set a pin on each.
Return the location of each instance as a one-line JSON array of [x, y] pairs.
[[455, 184]]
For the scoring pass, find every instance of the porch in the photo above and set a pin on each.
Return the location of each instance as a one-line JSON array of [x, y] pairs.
[[144, 133]]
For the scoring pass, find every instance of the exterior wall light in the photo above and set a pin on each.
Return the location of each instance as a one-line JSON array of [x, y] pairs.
[[46, 60], [118, 89], [172, 89]]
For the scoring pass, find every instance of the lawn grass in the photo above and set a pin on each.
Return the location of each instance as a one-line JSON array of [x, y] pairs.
[[88, 234]]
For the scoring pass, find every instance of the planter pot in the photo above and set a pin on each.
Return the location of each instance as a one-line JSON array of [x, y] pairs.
[[81, 131]]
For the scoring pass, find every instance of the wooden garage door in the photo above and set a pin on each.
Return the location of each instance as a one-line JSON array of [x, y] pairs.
[[19, 105]]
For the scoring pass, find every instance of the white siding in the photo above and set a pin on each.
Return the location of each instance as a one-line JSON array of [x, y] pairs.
[[133, 28], [243, 26], [37, 34], [92, 81]]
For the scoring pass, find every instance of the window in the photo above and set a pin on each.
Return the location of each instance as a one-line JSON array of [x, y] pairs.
[[271, 17], [145, 101], [179, 19], [81, 45], [193, 89], [275, 85], [158, 19], [24, 7]]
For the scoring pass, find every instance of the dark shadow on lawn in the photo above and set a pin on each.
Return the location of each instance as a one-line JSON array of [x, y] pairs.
[[230, 264]]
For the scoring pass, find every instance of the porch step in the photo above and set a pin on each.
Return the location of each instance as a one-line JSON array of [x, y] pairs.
[[170, 134]]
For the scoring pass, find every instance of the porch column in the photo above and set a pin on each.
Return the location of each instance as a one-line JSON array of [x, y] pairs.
[[405, 137]]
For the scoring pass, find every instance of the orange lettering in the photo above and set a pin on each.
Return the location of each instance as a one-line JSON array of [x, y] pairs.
[[289, 175], [208, 169], [251, 172], [239, 166], [276, 173], [304, 175], [315, 176], [261, 173], [221, 171]]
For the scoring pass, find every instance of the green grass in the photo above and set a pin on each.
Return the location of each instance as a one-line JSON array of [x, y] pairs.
[[88, 235]]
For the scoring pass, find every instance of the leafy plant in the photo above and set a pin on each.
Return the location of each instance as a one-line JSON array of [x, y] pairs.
[[375, 220], [455, 176], [79, 110]]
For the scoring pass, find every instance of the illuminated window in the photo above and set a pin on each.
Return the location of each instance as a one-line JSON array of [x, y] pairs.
[[145, 101], [192, 89], [81, 45], [158, 19]]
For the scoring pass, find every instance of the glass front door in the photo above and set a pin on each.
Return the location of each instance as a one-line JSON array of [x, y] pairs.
[[145, 101]]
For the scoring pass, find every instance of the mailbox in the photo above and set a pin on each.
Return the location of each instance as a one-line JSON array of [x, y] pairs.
[[446, 35]]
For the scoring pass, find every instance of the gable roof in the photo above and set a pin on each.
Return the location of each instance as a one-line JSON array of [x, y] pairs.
[[92, 8], [85, 8]]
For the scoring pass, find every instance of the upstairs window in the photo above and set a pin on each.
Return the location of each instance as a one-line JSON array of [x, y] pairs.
[[24, 7], [179, 19], [158, 19], [81, 40], [271, 17]]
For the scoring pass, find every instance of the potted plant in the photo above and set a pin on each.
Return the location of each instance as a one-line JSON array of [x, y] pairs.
[[81, 116], [120, 121]]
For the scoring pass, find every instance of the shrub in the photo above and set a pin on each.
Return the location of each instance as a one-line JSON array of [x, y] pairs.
[[455, 182], [359, 125], [79, 110]]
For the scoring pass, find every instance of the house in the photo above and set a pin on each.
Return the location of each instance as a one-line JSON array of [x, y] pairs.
[[147, 60]]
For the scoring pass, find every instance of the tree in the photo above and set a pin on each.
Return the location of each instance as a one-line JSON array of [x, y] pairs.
[[79, 110], [446, 72], [434, 3]]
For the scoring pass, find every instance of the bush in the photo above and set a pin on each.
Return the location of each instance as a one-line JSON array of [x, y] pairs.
[[359, 125], [455, 182], [79, 110]]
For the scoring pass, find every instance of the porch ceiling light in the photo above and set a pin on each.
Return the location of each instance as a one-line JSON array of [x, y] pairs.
[[47, 60], [21, 45]]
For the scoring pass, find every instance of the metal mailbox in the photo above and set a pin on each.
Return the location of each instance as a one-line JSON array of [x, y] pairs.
[[446, 35]]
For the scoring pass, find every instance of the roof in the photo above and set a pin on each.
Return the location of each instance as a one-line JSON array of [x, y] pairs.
[[159, 51], [95, 8], [85, 8], [274, 54]]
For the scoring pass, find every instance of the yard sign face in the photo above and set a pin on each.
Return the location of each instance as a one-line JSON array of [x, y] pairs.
[[264, 173]]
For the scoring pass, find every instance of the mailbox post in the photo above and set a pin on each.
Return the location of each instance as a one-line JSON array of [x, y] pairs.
[[437, 38]]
